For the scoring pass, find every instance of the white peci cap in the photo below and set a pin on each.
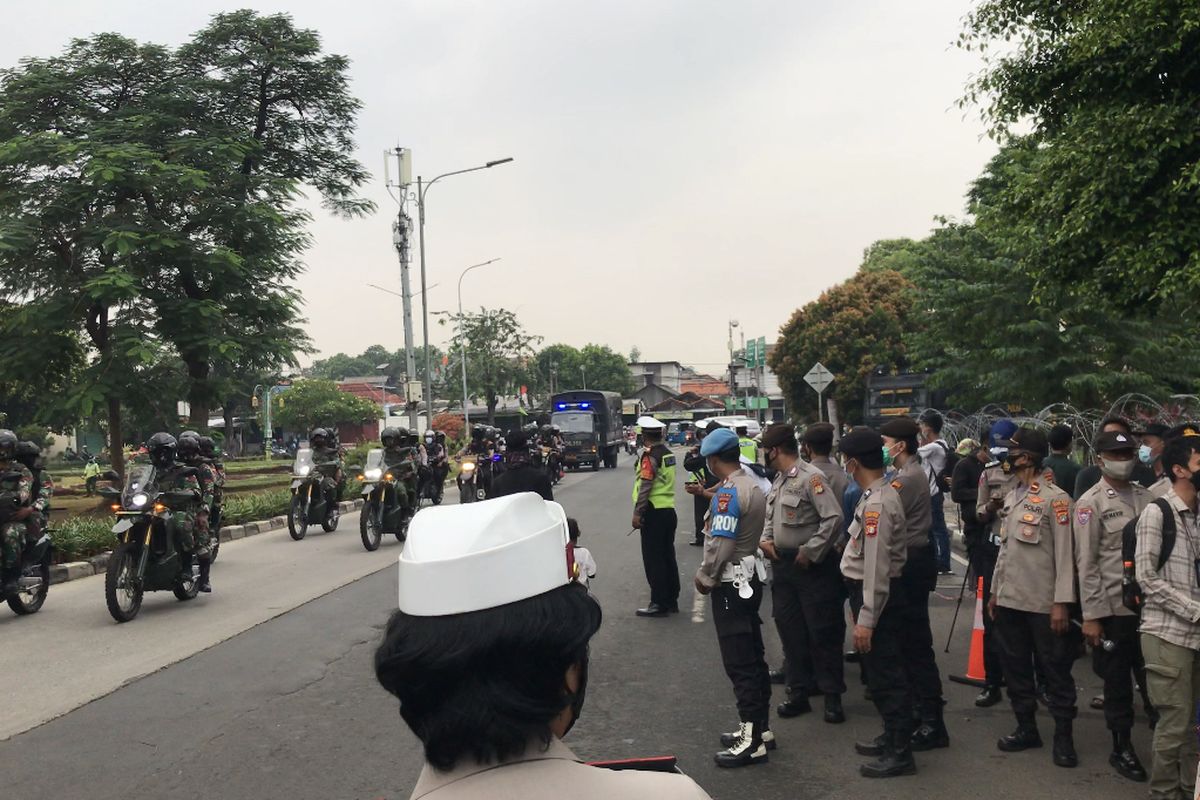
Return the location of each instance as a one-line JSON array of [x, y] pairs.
[[482, 555], [703, 424], [649, 423]]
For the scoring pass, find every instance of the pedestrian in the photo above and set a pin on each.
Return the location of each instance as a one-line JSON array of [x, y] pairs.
[[520, 474], [920, 578], [933, 454], [1089, 476], [700, 482], [1153, 439], [1170, 625], [654, 516], [803, 525], [580, 556], [91, 474], [492, 710], [1032, 594], [733, 572], [872, 565], [1101, 515], [1065, 468]]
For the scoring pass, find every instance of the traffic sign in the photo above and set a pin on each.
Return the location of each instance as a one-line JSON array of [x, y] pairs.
[[818, 377]]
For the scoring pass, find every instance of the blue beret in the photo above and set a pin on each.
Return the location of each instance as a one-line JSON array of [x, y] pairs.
[[719, 441]]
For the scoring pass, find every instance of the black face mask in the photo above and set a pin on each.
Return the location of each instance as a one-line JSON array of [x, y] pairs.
[[1196, 480], [580, 694], [1010, 462]]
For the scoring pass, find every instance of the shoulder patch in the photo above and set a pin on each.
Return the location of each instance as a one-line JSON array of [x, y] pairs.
[[1110, 492], [1035, 487], [1083, 516], [668, 461], [1062, 510], [817, 485], [871, 523], [897, 485]]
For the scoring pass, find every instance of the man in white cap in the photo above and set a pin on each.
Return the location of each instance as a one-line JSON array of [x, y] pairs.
[[654, 516], [488, 655]]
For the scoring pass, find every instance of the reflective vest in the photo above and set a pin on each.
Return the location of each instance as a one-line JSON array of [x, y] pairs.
[[749, 448], [662, 492]]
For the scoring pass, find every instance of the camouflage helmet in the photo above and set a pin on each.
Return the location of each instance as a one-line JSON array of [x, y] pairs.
[[318, 435]]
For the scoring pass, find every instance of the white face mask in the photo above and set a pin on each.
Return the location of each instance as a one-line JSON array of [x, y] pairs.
[[1117, 470]]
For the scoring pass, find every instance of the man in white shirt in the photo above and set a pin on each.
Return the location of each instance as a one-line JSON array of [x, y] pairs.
[[933, 453]]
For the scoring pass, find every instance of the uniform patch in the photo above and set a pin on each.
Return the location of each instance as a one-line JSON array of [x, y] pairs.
[[871, 523], [1031, 518], [1084, 516], [1036, 500], [668, 461], [897, 485], [724, 514], [1034, 487], [722, 503], [1111, 492], [817, 486], [1062, 510], [1028, 532], [647, 471]]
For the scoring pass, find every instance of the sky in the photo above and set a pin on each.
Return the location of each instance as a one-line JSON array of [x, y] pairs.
[[677, 163]]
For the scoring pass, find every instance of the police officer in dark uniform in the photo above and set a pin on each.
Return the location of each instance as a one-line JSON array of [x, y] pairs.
[[520, 474], [700, 482], [920, 578]]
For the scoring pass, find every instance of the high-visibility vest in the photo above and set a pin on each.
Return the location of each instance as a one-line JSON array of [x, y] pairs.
[[662, 492]]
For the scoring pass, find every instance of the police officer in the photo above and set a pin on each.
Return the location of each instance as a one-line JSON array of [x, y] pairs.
[[1032, 595], [520, 475], [747, 446], [872, 564], [733, 573], [920, 578], [19, 488], [491, 712], [994, 485], [1098, 525], [654, 516], [816, 445], [700, 482], [803, 524]]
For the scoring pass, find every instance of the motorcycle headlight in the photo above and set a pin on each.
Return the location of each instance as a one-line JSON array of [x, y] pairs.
[[139, 500], [468, 467], [373, 474], [303, 469]]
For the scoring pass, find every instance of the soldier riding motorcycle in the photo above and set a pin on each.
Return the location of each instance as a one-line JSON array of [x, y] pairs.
[[389, 489], [25, 559], [433, 473], [158, 511], [475, 475], [317, 481]]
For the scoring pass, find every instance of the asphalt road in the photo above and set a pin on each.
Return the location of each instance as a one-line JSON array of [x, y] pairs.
[[288, 707]]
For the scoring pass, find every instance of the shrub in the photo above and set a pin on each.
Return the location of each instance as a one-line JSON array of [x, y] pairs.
[[78, 538]]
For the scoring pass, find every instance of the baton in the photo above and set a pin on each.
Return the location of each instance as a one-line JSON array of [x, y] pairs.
[[1108, 645], [958, 606]]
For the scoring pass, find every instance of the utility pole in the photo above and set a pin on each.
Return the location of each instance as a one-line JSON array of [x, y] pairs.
[[401, 230]]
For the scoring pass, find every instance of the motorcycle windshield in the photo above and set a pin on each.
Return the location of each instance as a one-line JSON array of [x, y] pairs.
[[303, 463], [375, 467], [139, 486]]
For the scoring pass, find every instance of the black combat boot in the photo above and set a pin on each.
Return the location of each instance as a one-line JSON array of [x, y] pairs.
[[768, 738], [896, 759], [10, 581], [871, 747], [794, 706], [1064, 744], [834, 713], [1025, 737], [202, 582], [989, 697], [932, 733], [746, 750], [1123, 758]]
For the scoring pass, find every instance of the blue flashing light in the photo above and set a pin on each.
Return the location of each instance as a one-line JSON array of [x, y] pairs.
[[561, 406], [496, 457], [585, 405]]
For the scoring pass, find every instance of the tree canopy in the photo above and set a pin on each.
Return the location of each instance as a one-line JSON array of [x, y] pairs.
[[499, 354], [595, 366], [314, 402]]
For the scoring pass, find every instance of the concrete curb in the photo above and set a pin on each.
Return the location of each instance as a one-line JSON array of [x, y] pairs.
[[98, 564]]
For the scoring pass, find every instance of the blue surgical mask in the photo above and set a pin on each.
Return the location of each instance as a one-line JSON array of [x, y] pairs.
[[1144, 454]]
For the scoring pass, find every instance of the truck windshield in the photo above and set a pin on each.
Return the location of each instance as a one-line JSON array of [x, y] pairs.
[[574, 421]]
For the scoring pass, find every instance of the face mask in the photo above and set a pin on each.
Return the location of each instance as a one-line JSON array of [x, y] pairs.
[[580, 693], [1117, 470], [1144, 454], [887, 457], [1196, 480], [1010, 462]]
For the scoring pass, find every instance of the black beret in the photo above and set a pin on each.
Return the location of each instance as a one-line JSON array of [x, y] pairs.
[[1153, 429], [776, 435], [1029, 440], [1114, 440], [860, 441], [818, 433], [900, 428], [1179, 431], [517, 440]]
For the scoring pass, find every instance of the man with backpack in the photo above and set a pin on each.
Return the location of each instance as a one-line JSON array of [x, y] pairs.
[[1101, 516], [1166, 561], [935, 458]]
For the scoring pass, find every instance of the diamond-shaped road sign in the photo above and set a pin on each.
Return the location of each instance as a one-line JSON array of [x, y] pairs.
[[818, 377]]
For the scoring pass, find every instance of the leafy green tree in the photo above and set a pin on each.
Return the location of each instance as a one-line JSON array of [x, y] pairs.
[[500, 354], [1102, 97], [312, 402], [606, 369], [852, 328], [560, 362], [899, 255]]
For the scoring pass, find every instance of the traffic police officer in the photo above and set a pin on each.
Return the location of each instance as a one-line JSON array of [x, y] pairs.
[[872, 564], [747, 446], [733, 572], [654, 516], [1099, 523], [1032, 594], [920, 578], [803, 524]]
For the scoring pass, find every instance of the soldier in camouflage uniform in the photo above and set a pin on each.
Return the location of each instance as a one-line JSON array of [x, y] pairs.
[[325, 451], [400, 459], [188, 454], [18, 489], [171, 476], [208, 450], [29, 454]]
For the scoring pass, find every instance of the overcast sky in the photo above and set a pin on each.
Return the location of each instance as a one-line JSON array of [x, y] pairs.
[[678, 163]]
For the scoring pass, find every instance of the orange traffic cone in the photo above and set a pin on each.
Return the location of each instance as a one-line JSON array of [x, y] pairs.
[[976, 673]]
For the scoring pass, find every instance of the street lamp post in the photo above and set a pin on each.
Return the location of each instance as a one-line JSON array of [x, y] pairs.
[[422, 190], [462, 344], [267, 431]]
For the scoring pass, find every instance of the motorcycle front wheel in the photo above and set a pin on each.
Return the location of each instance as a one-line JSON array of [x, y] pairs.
[[330, 523], [122, 589], [368, 526], [297, 517], [28, 601], [466, 494]]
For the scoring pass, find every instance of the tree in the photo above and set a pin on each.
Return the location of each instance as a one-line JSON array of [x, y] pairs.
[[341, 366], [606, 369], [635, 354], [1101, 96], [557, 367], [852, 329], [597, 366], [900, 255], [499, 354], [314, 402]]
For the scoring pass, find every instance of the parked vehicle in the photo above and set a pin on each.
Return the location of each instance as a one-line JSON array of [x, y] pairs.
[[309, 505], [591, 427]]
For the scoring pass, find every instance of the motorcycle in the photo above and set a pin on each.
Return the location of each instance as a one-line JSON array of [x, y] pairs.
[[552, 463], [309, 504], [475, 477], [432, 482], [631, 445], [385, 504], [147, 557], [34, 583]]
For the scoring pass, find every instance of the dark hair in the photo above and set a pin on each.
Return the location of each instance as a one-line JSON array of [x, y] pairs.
[[1113, 419], [871, 460], [821, 448], [933, 419], [910, 446], [482, 685], [654, 434], [572, 528], [792, 447], [1178, 452], [1060, 437], [730, 455]]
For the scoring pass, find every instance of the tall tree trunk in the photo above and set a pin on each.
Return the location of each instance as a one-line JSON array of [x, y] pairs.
[[492, 400], [116, 444], [227, 408], [198, 395]]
